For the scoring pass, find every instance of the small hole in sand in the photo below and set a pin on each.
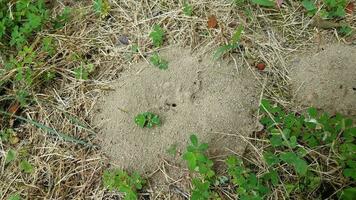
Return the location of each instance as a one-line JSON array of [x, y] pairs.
[[195, 82], [354, 88], [174, 105]]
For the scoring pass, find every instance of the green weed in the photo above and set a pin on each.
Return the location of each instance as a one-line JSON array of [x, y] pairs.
[[19, 24], [102, 7], [147, 119], [83, 71], [157, 35], [198, 162], [233, 44], [187, 9], [119, 180], [159, 62], [331, 9], [265, 3]]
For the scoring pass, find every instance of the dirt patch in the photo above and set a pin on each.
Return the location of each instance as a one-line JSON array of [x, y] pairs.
[[191, 96], [327, 79]]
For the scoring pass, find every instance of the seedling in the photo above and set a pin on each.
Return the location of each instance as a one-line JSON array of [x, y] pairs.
[[119, 180], [83, 71], [187, 9], [157, 35], [265, 3], [147, 119], [26, 167], [102, 7], [159, 62], [232, 45]]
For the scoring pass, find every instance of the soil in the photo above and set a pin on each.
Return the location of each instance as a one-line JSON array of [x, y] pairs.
[[192, 96], [326, 80]]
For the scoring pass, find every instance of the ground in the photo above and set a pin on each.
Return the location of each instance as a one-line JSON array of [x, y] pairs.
[[286, 40]]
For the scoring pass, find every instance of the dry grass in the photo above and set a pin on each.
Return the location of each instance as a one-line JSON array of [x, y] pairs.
[[65, 170]]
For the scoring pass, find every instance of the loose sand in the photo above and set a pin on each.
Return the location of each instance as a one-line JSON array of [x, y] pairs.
[[326, 80], [192, 96]]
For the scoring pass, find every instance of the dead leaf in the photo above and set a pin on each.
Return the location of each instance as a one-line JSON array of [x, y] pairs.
[[261, 66], [350, 8], [14, 108], [212, 21]]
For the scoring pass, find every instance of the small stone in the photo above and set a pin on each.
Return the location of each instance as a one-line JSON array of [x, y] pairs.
[[124, 40]]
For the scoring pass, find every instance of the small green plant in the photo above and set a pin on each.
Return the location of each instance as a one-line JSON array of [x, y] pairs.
[[83, 71], [62, 18], [26, 166], [157, 35], [102, 7], [294, 138], [159, 62], [119, 180], [14, 197], [10, 156], [331, 9], [48, 46], [345, 31], [147, 119], [187, 9], [248, 186], [234, 44], [19, 23], [198, 162]]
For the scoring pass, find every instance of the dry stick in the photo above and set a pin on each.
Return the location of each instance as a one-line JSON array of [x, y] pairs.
[[49, 130]]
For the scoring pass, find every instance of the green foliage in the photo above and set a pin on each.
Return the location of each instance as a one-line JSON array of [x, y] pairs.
[[293, 137], [147, 119], [119, 180], [187, 9], [345, 31], [247, 183], [10, 156], [48, 46], [234, 43], [62, 18], [14, 197], [198, 162], [26, 167], [265, 3], [331, 9], [310, 7], [159, 62], [102, 7], [83, 71], [157, 35], [20, 23]]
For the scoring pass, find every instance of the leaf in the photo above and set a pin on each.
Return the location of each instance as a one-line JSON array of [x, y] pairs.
[[222, 50], [194, 140], [350, 172], [212, 21], [312, 112], [10, 156], [140, 120], [190, 158], [237, 35], [14, 197], [26, 166], [309, 6], [348, 193], [102, 7], [157, 35], [276, 141], [266, 3], [270, 158], [187, 9]]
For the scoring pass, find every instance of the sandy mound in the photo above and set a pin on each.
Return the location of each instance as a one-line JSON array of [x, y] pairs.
[[327, 80], [191, 96]]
